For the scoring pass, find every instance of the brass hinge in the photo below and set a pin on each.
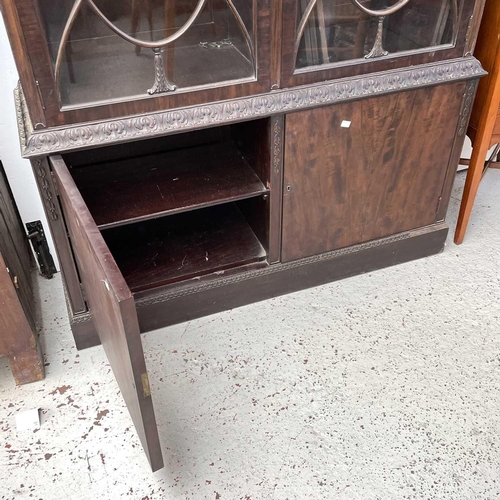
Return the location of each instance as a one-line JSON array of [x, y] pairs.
[[145, 385], [15, 279]]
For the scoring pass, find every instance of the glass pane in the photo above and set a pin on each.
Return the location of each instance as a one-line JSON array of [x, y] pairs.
[[331, 31], [121, 50]]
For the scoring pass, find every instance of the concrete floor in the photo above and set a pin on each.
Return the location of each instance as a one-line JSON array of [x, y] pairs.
[[384, 386]]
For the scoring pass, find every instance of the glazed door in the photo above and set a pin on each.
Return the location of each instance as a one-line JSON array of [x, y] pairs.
[[327, 39], [113, 311], [366, 169], [96, 59]]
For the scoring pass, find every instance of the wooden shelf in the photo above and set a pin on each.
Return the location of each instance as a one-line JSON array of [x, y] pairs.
[[170, 249], [137, 189]]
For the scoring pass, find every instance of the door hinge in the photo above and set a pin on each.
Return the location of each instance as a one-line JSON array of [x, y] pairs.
[[40, 246], [145, 385]]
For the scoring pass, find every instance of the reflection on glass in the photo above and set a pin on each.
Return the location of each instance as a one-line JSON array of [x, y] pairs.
[[105, 50], [331, 31]]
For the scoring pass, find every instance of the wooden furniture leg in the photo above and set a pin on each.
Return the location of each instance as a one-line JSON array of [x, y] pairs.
[[479, 153], [136, 17]]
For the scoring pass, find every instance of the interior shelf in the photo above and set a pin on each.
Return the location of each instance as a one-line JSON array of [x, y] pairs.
[[125, 191], [170, 249]]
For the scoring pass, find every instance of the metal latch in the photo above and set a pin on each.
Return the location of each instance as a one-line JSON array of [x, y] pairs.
[[38, 240]]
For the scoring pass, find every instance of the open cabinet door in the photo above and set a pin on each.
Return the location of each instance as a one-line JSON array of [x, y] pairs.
[[113, 311]]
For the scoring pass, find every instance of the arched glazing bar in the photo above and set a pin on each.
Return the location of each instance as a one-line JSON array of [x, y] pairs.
[[161, 83], [378, 46]]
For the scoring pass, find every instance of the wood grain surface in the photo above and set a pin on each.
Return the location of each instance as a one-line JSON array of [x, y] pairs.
[[382, 175], [113, 312]]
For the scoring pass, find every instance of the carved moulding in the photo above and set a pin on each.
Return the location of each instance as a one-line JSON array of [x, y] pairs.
[[193, 287], [470, 94], [167, 294], [113, 131]]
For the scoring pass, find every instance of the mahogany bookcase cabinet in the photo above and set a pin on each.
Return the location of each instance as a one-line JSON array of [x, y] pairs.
[[197, 155]]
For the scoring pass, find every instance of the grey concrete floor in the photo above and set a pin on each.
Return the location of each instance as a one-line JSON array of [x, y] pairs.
[[383, 386]]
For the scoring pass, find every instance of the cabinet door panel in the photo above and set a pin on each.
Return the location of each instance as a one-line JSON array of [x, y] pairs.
[[325, 40], [367, 169], [99, 59], [113, 312]]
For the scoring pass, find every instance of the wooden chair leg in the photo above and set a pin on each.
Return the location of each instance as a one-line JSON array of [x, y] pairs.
[[474, 175], [480, 150], [136, 16]]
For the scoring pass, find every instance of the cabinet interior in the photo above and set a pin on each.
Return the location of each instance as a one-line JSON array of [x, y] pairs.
[[181, 206]]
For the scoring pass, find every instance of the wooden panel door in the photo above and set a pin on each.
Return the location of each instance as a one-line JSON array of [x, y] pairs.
[[113, 312], [14, 247], [367, 169], [18, 339]]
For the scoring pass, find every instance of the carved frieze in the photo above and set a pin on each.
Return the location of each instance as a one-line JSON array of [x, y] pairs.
[[71, 137], [470, 93]]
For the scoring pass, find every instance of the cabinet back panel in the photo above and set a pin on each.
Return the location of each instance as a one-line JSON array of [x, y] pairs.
[[359, 171]]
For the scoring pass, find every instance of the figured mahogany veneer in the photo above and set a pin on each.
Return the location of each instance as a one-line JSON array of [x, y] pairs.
[[337, 195]]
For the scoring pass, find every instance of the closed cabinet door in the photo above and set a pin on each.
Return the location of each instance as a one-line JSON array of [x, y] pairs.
[[367, 169], [326, 39]]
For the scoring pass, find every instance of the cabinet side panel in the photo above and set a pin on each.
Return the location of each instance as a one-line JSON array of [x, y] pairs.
[[22, 57]]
